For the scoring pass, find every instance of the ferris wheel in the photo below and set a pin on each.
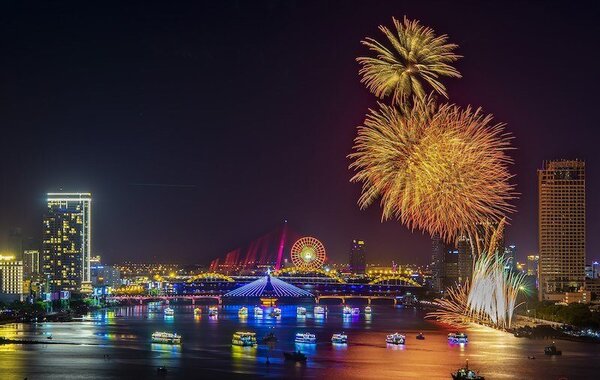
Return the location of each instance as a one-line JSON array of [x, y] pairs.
[[308, 253]]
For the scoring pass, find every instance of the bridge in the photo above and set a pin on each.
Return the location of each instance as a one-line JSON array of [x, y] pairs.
[[166, 298], [344, 298]]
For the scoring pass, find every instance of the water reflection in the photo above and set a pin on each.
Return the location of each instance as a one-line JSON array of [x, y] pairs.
[[207, 344]]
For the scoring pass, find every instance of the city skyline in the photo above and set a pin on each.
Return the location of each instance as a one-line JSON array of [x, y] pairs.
[[221, 207]]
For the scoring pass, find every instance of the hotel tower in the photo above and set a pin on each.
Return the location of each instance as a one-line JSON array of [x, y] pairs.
[[561, 218], [67, 241]]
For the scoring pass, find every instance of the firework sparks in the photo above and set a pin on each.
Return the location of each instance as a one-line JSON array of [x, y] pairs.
[[490, 297], [436, 168], [414, 56]]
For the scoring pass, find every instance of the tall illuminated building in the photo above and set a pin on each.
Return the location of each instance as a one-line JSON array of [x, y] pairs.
[[561, 218], [31, 263], [510, 254], [11, 278], [532, 265], [67, 241], [358, 258]]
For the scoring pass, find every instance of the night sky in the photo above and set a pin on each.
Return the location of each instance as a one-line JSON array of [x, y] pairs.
[[200, 126]]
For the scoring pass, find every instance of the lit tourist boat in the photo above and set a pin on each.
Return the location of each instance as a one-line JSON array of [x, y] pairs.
[[346, 310], [339, 338], [395, 338], [306, 338], [368, 310], [258, 311], [244, 339], [319, 311], [457, 337], [355, 311], [197, 311], [213, 311], [166, 338], [243, 312], [169, 312], [276, 312], [301, 311]]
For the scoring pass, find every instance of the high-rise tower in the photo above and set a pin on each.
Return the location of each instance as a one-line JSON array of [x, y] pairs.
[[358, 259], [561, 218], [67, 241]]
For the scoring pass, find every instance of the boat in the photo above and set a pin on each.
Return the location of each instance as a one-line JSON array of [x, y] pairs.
[[551, 350], [346, 310], [169, 312], [306, 338], [166, 338], [197, 311], [420, 336], [162, 370], [465, 373], [276, 312], [243, 312], [244, 339], [269, 338], [49, 337], [355, 311], [319, 311], [457, 337], [301, 311], [339, 338], [258, 311], [295, 356], [213, 311], [368, 310], [395, 338]]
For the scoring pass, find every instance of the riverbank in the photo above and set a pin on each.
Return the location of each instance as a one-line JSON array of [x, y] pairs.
[[18, 341]]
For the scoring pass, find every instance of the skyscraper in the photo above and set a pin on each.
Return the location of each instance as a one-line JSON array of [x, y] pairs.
[[358, 259], [510, 254], [451, 263], [67, 241], [561, 218], [31, 263], [532, 265]]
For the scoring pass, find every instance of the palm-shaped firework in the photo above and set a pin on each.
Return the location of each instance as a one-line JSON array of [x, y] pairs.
[[411, 59]]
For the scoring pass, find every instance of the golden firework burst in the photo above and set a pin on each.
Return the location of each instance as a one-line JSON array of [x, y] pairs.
[[436, 168], [412, 57]]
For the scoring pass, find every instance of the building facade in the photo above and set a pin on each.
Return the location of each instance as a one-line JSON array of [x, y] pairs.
[[11, 279], [510, 255], [31, 263], [561, 228], [451, 263], [67, 241], [358, 257]]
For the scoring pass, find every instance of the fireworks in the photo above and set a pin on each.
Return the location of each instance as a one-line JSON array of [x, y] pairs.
[[436, 168], [490, 297], [413, 55]]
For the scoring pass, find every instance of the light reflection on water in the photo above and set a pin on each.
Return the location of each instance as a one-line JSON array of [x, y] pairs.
[[124, 335]]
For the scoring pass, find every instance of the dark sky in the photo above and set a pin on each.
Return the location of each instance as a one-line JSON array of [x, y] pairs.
[[253, 106]]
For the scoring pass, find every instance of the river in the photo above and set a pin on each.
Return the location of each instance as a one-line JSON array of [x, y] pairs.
[[116, 344]]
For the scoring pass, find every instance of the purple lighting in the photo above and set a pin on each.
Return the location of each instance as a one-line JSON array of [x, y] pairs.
[[268, 286]]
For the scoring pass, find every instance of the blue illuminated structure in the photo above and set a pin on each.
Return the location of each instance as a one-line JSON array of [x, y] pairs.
[[268, 286]]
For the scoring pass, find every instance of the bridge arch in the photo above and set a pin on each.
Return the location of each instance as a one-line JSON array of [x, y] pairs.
[[293, 271], [211, 276], [394, 277]]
